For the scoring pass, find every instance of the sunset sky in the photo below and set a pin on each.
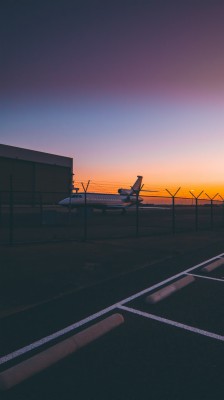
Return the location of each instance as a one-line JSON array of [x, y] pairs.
[[124, 87]]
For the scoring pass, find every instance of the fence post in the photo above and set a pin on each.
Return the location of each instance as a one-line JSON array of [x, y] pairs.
[[137, 209], [0, 207], [41, 208], [211, 215], [222, 209], [85, 188], [70, 209], [11, 216], [173, 209], [196, 208]]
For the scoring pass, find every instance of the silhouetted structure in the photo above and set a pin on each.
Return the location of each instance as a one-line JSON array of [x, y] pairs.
[[29, 174]]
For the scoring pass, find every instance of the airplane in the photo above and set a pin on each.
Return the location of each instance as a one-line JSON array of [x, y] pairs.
[[124, 199]]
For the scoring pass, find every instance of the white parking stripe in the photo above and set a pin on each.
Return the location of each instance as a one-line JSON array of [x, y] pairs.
[[207, 277], [173, 323], [157, 285], [50, 356], [55, 335]]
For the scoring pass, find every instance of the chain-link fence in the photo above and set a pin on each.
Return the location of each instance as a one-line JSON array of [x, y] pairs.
[[27, 217]]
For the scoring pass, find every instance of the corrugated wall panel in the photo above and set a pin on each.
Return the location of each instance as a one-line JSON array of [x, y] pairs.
[[34, 177]]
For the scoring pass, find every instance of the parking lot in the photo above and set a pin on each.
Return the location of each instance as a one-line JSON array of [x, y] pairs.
[[169, 346]]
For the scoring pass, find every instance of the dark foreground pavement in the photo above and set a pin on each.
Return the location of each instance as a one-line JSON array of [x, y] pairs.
[[37, 273], [142, 358], [139, 360]]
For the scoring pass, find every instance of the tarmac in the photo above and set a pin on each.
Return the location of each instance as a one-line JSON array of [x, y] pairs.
[[33, 274], [166, 349]]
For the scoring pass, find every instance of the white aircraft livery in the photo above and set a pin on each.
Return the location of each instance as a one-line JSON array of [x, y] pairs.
[[126, 198]]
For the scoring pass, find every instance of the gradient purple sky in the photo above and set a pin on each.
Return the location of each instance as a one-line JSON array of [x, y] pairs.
[[123, 87]]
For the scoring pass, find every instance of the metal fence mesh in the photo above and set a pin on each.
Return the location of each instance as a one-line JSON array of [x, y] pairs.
[[36, 217]]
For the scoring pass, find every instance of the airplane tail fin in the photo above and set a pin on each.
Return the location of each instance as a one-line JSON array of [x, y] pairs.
[[134, 188], [137, 184]]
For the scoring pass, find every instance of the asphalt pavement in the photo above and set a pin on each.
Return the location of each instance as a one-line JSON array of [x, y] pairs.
[[171, 349]]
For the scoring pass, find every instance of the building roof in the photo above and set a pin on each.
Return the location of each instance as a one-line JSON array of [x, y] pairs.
[[34, 156]]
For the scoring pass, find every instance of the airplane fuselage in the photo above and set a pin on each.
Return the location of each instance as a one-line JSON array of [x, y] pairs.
[[123, 200], [99, 200]]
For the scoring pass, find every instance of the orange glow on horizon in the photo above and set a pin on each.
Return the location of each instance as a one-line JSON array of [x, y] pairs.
[[111, 183]]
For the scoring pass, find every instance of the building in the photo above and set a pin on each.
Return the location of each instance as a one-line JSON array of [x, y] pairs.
[[33, 176]]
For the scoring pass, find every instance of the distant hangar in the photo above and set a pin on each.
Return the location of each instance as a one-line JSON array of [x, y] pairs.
[[33, 176]]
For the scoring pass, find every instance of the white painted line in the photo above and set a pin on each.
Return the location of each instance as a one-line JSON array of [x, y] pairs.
[[47, 339], [210, 267], [90, 318], [157, 285], [173, 323], [39, 362], [168, 290], [207, 277]]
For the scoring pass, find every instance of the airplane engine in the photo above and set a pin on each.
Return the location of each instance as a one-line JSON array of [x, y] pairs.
[[123, 191]]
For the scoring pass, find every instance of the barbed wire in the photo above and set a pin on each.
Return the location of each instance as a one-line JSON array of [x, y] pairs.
[[153, 190]]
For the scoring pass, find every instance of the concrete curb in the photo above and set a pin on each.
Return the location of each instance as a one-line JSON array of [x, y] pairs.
[[168, 290], [24, 370], [213, 265]]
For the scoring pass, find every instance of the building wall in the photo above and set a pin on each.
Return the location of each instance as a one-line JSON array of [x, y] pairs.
[[40, 180]]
